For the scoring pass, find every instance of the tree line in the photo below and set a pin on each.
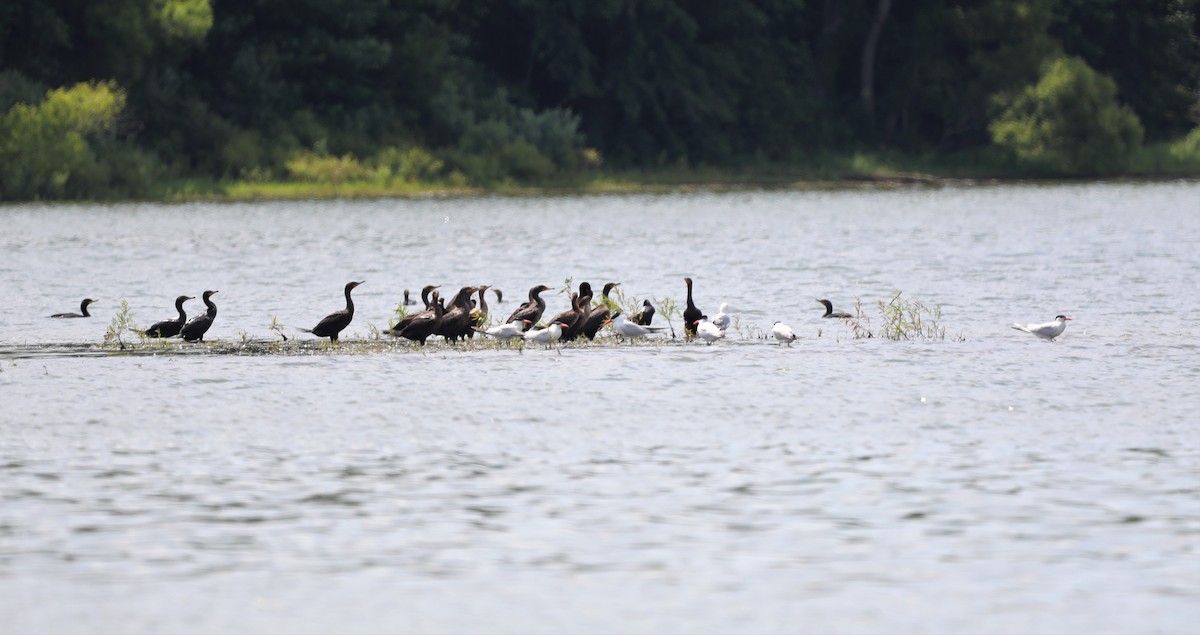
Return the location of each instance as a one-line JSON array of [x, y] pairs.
[[110, 98]]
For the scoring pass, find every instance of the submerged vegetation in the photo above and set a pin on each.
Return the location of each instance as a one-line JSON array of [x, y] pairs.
[[184, 99]]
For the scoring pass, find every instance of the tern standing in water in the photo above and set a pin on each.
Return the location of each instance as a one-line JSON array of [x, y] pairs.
[[1047, 331]]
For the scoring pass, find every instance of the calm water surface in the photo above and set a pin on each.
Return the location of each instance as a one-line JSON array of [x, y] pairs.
[[986, 483]]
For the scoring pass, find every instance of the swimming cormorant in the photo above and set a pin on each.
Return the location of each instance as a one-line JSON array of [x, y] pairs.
[[83, 312], [830, 313]]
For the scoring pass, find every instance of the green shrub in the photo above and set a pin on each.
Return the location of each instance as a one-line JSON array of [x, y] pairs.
[[1069, 122], [409, 165], [321, 168], [1187, 149], [524, 162], [45, 149]]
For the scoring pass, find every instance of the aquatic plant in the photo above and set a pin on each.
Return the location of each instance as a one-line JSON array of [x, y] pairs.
[[121, 323], [668, 309], [278, 328], [904, 319], [860, 324]]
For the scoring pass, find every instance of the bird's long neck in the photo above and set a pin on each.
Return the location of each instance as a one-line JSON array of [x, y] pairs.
[[691, 305], [483, 301], [425, 297], [828, 307], [212, 308], [179, 307], [349, 302], [83, 308]]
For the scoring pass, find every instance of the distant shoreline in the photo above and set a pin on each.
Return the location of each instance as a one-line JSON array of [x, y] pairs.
[[284, 191], [649, 182]]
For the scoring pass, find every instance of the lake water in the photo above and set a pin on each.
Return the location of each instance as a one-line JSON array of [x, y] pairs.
[[984, 482]]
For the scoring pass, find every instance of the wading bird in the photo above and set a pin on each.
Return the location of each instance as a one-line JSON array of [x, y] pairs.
[[783, 333], [1047, 331], [506, 331], [547, 336], [722, 319], [630, 329], [707, 331]]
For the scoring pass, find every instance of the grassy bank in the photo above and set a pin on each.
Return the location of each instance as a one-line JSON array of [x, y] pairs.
[[820, 172]]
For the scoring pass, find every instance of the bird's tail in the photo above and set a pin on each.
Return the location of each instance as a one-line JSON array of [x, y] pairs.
[[305, 330], [1020, 327]]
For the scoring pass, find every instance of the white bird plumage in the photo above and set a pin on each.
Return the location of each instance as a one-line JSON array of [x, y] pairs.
[[708, 331], [631, 330], [1047, 331], [722, 319], [783, 333], [547, 336], [507, 331]]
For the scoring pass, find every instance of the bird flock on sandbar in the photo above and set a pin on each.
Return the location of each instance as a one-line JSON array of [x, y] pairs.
[[467, 314]]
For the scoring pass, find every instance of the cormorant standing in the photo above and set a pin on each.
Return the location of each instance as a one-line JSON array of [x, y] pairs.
[[533, 309], [196, 327], [645, 316], [170, 328], [691, 314], [598, 316], [335, 322]]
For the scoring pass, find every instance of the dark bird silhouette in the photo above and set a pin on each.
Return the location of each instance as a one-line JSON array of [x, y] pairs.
[[573, 318], [171, 327], [499, 296], [335, 322], [422, 324], [196, 327], [691, 314], [599, 315], [456, 323], [425, 313], [533, 309], [830, 313], [407, 300], [83, 312], [644, 317], [479, 315], [568, 318]]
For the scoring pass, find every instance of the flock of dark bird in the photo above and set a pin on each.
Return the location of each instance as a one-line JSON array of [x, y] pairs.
[[464, 316]]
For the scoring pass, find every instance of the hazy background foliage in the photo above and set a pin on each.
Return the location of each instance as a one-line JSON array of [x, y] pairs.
[[540, 91]]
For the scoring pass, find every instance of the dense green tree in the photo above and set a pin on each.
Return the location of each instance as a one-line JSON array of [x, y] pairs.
[[1149, 47], [516, 89], [46, 150], [1070, 122]]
